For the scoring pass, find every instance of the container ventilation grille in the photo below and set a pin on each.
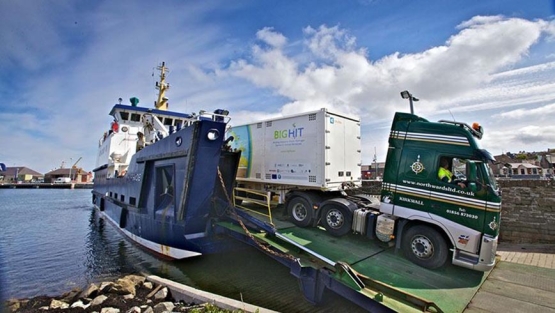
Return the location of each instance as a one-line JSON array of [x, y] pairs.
[[312, 117], [269, 124], [268, 176], [312, 179], [258, 175], [259, 125]]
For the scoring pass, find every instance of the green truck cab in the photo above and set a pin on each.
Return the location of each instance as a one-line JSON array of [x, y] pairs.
[[429, 216]]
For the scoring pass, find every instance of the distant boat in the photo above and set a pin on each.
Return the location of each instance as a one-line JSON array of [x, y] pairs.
[[157, 175]]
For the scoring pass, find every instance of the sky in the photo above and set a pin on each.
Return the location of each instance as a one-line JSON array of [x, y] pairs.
[[64, 64]]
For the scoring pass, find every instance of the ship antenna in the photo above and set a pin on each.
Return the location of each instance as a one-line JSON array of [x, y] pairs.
[[162, 86]]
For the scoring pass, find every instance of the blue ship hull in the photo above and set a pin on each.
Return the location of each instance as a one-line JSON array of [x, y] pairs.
[[172, 192]]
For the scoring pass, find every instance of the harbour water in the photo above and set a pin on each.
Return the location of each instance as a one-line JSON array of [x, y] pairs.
[[52, 240]]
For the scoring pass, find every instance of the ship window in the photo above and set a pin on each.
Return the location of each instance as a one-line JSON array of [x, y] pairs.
[[165, 189], [135, 117], [132, 200], [124, 115], [168, 121], [122, 198]]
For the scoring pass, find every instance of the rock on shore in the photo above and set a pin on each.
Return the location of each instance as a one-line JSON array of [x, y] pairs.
[[130, 294]]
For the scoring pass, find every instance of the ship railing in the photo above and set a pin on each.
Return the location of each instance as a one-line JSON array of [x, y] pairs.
[[224, 118], [259, 199]]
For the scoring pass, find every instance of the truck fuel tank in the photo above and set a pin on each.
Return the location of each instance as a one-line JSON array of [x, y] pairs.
[[385, 227]]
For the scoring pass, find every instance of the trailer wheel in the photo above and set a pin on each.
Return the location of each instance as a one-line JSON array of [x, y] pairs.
[[300, 211], [337, 220], [425, 247]]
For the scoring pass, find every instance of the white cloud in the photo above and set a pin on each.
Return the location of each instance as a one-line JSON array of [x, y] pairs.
[[480, 20], [342, 77], [272, 38], [471, 72], [547, 111]]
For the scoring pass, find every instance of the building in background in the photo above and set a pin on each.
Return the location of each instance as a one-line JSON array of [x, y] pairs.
[[20, 174], [77, 175], [372, 171], [525, 165]]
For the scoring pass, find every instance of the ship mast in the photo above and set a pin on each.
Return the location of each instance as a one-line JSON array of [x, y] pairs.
[[162, 86]]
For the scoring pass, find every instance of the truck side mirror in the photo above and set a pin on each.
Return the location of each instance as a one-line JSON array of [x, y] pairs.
[[471, 168]]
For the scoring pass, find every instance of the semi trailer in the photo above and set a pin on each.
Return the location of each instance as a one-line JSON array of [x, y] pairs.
[[310, 164]]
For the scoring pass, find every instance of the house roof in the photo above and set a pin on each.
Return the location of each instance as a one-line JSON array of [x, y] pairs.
[[65, 171], [21, 170], [525, 165], [503, 158]]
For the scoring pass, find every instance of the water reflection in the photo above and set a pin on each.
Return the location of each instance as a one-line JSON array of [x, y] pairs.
[[110, 255], [245, 274], [53, 240]]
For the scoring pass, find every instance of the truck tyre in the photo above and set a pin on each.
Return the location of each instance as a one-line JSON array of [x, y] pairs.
[[300, 211], [425, 247], [337, 220]]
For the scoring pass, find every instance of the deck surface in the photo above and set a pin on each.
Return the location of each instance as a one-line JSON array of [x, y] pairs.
[[522, 281], [451, 288]]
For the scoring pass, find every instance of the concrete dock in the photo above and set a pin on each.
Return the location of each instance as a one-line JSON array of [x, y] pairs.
[[522, 281], [47, 186]]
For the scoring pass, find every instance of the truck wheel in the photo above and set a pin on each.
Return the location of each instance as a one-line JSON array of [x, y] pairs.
[[337, 220], [300, 211], [425, 247]]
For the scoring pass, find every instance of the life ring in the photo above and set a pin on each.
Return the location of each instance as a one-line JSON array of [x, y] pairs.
[[115, 126]]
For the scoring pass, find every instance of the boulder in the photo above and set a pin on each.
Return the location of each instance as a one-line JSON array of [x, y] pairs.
[[129, 296], [148, 285], [80, 304], [71, 296], [98, 300], [109, 310], [134, 309], [90, 292], [163, 307], [105, 286], [136, 279], [162, 294], [57, 304], [148, 310], [13, 305], [124, 286]]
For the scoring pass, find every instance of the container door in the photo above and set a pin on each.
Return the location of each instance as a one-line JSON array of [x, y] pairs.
[[342, 149]]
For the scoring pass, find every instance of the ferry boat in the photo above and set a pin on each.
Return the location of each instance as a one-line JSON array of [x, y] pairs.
[[158, 174], [165, 180]]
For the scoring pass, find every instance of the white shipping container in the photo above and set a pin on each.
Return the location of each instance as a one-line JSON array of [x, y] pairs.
[[318, 150]]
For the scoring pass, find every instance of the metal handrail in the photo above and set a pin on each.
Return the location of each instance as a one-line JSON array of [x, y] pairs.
[[264, 203]]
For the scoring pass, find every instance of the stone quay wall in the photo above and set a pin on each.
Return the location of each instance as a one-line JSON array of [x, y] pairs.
[[527, 213]]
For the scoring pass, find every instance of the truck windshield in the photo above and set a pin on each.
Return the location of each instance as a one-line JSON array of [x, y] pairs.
[[490, 176]]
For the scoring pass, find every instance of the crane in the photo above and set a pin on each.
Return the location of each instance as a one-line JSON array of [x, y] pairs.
[[74, 166]]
